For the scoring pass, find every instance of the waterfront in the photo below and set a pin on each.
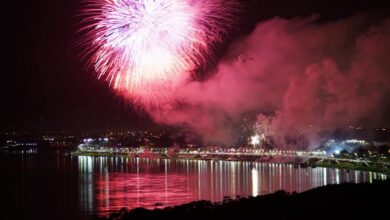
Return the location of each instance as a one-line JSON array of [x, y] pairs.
[[86, 185]]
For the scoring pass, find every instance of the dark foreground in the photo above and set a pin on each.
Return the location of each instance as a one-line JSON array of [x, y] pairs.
[[345, 201]]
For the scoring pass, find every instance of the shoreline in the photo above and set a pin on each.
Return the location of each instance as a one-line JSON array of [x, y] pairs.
[[377, 168]]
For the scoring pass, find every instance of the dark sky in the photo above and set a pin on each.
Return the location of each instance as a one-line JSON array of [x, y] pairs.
[[44, 85]]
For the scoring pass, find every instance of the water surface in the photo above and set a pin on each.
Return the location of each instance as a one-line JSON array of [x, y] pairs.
[[107, 184], [75, 187]]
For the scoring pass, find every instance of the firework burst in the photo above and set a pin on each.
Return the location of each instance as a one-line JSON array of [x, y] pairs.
[[146, 48]]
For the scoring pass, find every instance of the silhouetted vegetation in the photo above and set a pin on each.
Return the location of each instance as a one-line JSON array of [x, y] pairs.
[[346, 201]]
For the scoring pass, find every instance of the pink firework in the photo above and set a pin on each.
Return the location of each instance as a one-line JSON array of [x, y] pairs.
[[146, 48]]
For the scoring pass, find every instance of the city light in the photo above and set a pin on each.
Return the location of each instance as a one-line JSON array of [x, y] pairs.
[[255, 140]]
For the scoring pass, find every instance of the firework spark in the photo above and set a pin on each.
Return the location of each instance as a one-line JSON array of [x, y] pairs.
[[145, 48]]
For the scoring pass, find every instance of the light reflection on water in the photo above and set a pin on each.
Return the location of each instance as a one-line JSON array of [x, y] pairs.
[[109, 183]]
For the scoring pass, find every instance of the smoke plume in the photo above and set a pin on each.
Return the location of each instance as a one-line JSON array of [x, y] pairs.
[[302, 77]]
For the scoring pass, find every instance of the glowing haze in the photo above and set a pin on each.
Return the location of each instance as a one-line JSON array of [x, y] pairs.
[[146, 48], [305, 79]]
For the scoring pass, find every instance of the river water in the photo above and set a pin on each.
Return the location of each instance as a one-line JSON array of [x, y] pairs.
[[55, 185]]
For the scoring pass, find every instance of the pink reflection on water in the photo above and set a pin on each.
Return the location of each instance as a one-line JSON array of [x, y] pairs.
[[108, 184], [141, 190]]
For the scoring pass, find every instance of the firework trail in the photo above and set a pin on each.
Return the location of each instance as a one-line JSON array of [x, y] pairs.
[[146, 48]]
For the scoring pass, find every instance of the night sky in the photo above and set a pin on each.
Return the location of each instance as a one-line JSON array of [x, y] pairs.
[[44, 85]]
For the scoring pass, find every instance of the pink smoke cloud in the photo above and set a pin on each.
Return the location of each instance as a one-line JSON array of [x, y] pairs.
[[303, 78]]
